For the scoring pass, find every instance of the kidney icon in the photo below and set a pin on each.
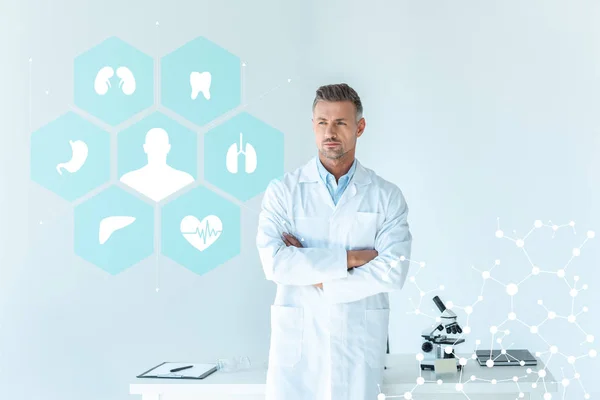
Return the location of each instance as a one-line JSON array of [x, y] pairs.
[[102, 81], [127, 83]]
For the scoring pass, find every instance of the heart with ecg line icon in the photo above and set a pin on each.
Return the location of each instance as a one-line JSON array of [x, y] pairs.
[[201, 234]]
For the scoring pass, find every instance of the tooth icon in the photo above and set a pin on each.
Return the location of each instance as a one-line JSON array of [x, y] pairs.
[[110, 225], [79, 153], [200, 82]]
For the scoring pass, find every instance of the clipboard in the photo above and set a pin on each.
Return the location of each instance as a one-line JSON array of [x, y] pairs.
[[162, 371]]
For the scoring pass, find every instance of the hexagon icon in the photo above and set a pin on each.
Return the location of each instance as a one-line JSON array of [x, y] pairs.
[[157, 156], [114, 230], [70, 156], [200, 81], [200, 230], [114, 81], [242, 155]]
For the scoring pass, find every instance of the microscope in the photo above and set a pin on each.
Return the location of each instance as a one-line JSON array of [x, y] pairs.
[[435, 342]]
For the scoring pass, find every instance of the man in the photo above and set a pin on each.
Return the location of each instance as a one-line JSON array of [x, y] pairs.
[[334, 237]]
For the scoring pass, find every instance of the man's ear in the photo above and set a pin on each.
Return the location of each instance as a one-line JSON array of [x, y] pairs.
[[362, 123]]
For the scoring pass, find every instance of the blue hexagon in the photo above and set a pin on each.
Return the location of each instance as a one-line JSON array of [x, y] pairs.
[[114, 81], [242, 155], [200, 81], [70, 156], [200, 230], [114, 230], [157, 156]]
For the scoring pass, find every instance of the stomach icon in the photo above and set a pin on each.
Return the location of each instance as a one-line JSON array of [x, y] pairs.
[[79, 153]]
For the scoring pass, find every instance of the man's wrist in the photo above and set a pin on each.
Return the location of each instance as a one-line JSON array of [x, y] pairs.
[[351, 259]]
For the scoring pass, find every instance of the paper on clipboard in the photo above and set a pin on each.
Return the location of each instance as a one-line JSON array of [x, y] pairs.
[[198, 371]]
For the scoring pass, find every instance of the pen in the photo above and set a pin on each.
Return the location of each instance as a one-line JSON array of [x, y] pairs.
[[181, 368]]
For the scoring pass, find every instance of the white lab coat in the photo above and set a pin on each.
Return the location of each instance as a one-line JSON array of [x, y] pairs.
[[330, 343]]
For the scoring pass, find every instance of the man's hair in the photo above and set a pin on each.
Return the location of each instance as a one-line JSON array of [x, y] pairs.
[[339, 92]]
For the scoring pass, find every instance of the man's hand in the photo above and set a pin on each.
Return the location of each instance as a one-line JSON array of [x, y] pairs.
[[290, 240], [357, 258]]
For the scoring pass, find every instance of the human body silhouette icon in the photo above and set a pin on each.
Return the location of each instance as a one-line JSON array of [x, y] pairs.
[[156, 179]]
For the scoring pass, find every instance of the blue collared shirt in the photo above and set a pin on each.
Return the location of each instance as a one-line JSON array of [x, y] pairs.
[[336, 189]]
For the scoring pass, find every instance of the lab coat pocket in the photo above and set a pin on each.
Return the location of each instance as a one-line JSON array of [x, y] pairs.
[[377, 323], [363, 231], [287, 328]]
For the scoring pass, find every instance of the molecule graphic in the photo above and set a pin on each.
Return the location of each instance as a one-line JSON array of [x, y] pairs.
[[498, 331]]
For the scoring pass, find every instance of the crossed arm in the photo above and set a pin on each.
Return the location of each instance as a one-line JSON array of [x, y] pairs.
[[354, 258], [343, 275]]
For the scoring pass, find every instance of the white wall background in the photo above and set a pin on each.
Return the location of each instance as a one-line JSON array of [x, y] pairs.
[[476, 109]]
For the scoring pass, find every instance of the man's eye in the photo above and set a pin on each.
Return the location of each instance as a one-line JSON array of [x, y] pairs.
[[321, 123], [341, 123]]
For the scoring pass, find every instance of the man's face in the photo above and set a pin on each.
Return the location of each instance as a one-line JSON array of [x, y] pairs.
[[336, 128]]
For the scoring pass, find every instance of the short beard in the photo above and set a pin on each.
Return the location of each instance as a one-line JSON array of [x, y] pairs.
[[337, 156]]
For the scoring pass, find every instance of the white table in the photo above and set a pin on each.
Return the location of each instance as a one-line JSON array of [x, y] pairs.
[[400, 377]]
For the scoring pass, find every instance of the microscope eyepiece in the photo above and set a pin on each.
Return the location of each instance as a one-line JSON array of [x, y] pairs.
[[440, 305]]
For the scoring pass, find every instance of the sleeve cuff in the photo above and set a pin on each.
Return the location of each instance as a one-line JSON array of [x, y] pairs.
[[338, 267]]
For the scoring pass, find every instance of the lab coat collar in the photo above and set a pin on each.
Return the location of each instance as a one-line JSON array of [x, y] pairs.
[[310, 173]]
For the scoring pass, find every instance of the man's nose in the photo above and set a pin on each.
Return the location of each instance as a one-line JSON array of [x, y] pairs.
[[330, 132]]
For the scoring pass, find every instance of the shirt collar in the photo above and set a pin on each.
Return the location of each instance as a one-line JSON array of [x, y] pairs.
[[324, 173]]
